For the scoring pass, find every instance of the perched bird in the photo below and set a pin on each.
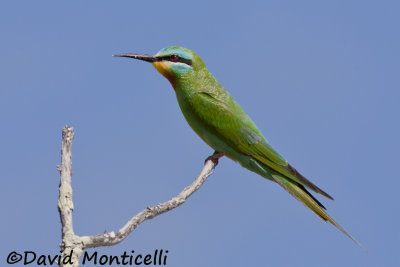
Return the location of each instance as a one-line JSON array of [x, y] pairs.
[[219, 120]]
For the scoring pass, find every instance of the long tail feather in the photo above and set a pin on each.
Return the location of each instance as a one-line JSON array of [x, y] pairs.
[[301, 194]]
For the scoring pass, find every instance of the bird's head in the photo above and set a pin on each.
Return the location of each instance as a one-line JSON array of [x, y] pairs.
[[173, 62]]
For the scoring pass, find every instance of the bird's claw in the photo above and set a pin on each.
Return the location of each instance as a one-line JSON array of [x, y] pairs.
[[215, 157]]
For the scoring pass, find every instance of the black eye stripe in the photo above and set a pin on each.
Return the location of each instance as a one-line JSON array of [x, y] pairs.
[[180, 59]]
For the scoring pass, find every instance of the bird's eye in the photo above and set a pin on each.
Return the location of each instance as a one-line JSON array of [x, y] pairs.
[[174, 57]]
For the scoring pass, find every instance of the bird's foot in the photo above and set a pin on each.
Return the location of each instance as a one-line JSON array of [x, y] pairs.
[[215, 157]]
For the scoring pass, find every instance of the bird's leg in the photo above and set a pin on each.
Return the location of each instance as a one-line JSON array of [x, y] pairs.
[[215, 157]]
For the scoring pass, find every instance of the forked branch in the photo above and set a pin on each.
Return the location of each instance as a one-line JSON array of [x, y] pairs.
[[71, 241]]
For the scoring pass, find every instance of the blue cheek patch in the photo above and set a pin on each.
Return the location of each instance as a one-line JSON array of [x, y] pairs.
[[180, 69]]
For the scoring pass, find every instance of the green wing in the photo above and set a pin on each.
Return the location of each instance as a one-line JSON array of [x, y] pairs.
[[222, 114]]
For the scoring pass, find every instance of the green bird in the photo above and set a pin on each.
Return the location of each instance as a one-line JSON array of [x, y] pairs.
[[219, 120]]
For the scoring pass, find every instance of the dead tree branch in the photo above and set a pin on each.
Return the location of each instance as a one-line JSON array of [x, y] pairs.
[[76, 243]]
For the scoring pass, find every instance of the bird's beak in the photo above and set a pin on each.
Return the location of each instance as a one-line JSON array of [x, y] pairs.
[[147, 58]]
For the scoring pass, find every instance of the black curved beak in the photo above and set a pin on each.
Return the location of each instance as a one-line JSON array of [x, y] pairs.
[[147, 58]]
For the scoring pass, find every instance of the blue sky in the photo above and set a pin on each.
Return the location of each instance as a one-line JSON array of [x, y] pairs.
[[321, 80]]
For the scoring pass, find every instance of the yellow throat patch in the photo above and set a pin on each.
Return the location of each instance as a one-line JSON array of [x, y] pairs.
[[164, 67]]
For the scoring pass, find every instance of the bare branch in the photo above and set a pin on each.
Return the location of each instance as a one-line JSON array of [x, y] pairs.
[[65, 204], [109, 239], [72, 242]]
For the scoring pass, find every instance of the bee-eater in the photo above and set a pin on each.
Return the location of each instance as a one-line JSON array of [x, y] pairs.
[[219, 120]]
